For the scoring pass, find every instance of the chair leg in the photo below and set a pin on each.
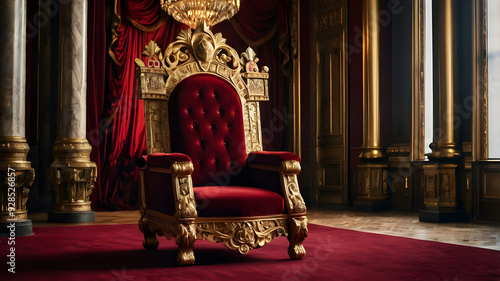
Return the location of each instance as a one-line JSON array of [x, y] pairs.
[[186, 236], [150, 240], [297, 234]]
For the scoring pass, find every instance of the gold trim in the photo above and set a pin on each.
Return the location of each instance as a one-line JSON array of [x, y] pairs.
[[484, 123], [418, 80], [153, 27], [12, 139], [480, 83]]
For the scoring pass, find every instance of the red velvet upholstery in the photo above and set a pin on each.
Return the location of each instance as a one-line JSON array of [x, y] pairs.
[[237, 201], [159, 193], [165, 160], [206, 123], [271, 158]]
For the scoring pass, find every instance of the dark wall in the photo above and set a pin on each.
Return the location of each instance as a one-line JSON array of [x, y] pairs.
[[41, 91], [305, 100], [401, 73], [465, 71], [355, 69]]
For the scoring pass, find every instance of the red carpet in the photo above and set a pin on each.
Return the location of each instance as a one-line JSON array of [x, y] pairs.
[[114, 252]]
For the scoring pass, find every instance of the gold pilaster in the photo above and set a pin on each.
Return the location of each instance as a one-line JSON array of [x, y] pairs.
[[445, 80], [371, 81]]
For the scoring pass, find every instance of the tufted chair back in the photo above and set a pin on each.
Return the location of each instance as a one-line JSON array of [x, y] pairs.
[[206, 123]]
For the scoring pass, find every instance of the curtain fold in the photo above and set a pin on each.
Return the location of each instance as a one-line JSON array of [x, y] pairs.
[[96, 83], [262, 24], [124, 137]]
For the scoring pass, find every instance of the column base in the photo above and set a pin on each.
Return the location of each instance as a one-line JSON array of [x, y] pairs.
[[366, 205], [438, 216], [22, 228], [72, 217]]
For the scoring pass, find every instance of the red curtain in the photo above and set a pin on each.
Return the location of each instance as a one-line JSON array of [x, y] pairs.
[[96, 82], [116, 115]]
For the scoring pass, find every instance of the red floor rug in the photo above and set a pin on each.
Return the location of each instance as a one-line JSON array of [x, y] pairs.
[[115, 253]]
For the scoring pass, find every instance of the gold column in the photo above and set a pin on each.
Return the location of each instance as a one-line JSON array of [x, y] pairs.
[[73, 174], [440, 180], [371, 179], [371, 81], [445, 80], [16, 174]]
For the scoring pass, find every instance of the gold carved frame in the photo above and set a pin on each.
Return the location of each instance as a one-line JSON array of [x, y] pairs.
[[418, 97], [195, 52], [480, 94]]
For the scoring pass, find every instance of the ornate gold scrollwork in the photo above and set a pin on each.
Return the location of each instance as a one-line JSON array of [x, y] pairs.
[[242, 236], [13, 152], [290, 186], [298, 232], [73, 175], [185, 203], [201, 47], [150, 241], [186, 236], [194, 52]]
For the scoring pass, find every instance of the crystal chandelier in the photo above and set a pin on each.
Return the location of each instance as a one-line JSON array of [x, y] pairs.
[[197, 12]]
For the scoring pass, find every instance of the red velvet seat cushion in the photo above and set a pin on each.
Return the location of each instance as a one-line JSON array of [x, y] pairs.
[[237, 201]]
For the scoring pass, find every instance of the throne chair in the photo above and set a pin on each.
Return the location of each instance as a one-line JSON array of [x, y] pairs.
[[205, 176]]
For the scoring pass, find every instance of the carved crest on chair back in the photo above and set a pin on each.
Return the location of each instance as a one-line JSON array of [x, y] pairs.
[[195, 52]]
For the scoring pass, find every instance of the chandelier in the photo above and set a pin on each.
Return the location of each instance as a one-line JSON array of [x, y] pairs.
[[197, 12]]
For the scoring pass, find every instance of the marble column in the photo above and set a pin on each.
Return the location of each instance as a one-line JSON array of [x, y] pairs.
[[439, 178], [72, 172], [371, 179], [16, 174]]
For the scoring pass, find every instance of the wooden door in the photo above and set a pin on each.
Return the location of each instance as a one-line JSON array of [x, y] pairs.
[[330, 100]]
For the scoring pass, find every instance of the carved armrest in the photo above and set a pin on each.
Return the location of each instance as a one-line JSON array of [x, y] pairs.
[[179, 167], [286, 167]]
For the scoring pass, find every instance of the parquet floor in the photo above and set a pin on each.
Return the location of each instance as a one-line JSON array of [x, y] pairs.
[[483, 235]]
